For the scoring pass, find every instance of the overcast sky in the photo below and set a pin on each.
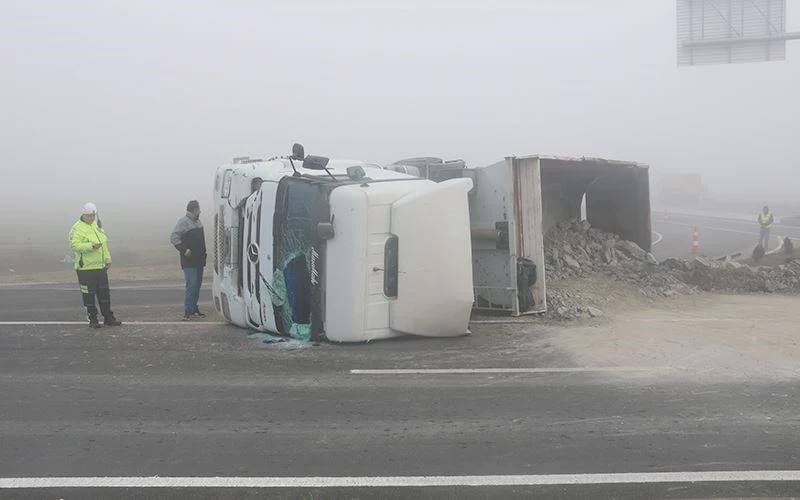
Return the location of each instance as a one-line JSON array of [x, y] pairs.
[[135, 103]]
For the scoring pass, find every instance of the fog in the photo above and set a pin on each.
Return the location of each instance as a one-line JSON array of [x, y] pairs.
[[134, 104]]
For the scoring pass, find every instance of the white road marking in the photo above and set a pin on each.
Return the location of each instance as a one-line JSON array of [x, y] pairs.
[[659, 237], [498, 322], [725, 230], [31, 283], [690, 320], [712, 228], [779, 247], [727, 218], [472, 371], [143, 288], [139, 323], [66, 287], [702, 214], [401, 481]]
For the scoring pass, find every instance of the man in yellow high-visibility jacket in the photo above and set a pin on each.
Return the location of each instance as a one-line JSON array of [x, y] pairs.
[[89, 245]]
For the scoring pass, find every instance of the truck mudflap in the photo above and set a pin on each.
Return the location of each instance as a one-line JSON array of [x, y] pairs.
[[434, 261]]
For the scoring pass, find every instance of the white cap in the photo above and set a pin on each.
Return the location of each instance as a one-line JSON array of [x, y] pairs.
[[89, 208]]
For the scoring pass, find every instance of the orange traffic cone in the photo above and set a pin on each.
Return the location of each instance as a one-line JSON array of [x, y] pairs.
[[696, 242]]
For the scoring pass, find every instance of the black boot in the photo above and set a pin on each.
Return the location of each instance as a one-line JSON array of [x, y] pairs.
[[93, 323], [112, 321]]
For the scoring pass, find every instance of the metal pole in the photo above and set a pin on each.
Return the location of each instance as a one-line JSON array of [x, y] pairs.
[[730, 28], [768, 47], [691, 29]]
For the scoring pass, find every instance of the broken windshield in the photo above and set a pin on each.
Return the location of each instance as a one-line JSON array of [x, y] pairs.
[[300, 206]]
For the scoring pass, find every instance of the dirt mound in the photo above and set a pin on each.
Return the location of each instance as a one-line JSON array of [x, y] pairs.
[[735, 277], [576, 250]]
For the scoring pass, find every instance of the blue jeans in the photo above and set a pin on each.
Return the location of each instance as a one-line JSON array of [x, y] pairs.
[[194, 280], [764, 240]]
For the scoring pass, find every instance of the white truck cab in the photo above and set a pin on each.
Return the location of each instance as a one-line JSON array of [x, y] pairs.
[[314, 248]]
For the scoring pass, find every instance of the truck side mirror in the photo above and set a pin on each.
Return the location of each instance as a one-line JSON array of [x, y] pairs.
[[298, 152], [325, 230]]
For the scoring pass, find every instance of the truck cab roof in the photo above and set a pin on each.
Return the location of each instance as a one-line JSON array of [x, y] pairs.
[[276, 168]]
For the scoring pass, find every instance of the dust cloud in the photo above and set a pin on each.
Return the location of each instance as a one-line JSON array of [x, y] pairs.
[[133, 105]]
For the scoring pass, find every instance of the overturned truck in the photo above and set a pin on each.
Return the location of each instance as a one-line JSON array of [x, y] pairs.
[[315, 248]]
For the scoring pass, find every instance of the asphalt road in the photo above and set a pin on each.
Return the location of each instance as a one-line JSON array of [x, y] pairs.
[[201, 400], [718, 235]]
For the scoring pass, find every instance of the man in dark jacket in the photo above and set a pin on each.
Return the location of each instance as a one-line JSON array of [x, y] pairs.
[[189, 239]]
